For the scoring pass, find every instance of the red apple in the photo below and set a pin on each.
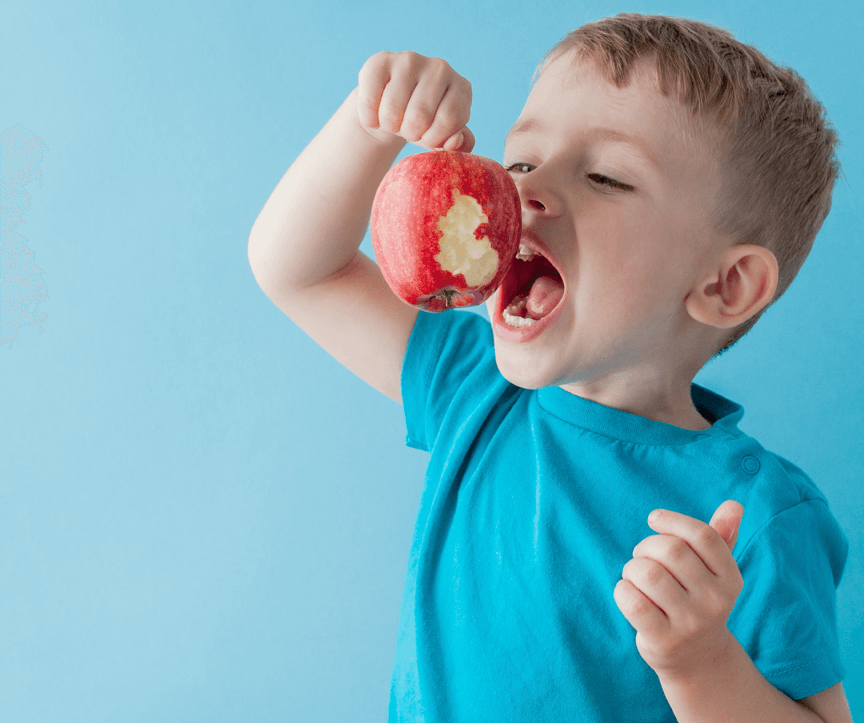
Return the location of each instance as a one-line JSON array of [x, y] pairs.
[[445, 227]]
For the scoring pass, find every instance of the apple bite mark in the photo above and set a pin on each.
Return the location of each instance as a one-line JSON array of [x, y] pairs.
[[462, 252]]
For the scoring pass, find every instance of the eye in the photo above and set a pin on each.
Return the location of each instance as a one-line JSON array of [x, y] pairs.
[[597, 178], [602, 180], [518, 167]]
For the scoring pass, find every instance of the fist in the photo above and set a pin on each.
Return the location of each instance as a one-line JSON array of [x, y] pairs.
[[422, 100], [680, 587]]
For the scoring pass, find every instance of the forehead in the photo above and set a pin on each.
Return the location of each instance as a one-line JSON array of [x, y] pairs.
[[574, 100]]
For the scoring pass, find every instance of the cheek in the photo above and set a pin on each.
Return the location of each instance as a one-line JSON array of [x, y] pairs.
[[642, 252], [626, 278]]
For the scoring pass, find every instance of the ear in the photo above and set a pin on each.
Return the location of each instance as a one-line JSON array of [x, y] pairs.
[[741, 285]]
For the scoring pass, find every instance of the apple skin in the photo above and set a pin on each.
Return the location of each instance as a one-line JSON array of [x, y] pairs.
[[463, 209]]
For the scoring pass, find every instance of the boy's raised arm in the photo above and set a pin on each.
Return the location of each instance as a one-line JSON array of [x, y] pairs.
[[304, 245]]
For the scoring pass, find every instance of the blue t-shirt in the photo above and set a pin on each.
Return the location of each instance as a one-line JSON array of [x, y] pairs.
[[532, 504]]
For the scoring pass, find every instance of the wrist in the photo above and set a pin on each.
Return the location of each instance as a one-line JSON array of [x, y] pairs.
[[704, 667], [386, 140]]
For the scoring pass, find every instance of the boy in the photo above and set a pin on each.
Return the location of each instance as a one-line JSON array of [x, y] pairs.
[[673, 181]]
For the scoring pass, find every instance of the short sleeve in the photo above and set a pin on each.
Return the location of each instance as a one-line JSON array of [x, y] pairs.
[[444, 351], [785, 617]]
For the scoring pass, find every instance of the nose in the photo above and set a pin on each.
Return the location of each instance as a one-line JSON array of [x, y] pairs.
[[537, 191], [533, 203]]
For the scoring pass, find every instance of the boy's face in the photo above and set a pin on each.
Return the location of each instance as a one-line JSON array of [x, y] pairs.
[[615, 191]]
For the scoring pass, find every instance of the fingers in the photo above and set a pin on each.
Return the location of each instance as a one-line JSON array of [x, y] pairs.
[[373, 79], [704, 540], [677, 558], [640, 611], [422, 109], [680, 586], [421, 99], [467, 141], [450, 115], [395, 100], [726, 520], [656, 583]]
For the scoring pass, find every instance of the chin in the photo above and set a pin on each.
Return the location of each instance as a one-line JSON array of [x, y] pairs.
[[524, 375]]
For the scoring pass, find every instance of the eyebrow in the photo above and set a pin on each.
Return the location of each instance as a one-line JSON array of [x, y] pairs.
[[524, 126], [600, 133]]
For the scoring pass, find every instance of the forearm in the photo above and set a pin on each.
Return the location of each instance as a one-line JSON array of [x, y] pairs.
[[731, 689], [315, 219]]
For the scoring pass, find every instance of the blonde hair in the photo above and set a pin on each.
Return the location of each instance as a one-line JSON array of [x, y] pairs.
[[777, 148]]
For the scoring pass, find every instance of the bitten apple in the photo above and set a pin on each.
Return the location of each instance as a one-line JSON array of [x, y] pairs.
[[445, 227]]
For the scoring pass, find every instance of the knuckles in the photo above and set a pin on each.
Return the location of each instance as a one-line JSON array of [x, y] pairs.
[[638, 608], [413, 63], [708, 537], [676, 549], [654, 572], [629, 603], [453, 117], [414, 121], [416, 125], [662, 548], [643, 572]]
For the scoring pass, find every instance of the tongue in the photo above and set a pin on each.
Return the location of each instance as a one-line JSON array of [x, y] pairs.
[[544, 296]]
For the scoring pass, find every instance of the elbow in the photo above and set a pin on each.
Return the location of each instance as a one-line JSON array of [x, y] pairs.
[[255, 256]]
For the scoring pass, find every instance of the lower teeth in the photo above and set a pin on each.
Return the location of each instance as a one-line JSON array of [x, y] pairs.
[[517, 305], [518, 320]]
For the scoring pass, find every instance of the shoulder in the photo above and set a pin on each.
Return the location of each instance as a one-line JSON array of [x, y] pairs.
[[773, 480], [444, 348], [791, 553], [782, 503], [454, 331], [449, 374], [788, 512], [799, 482]]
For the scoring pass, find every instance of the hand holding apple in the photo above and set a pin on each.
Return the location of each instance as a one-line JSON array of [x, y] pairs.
[[420, 99], [445, 227]]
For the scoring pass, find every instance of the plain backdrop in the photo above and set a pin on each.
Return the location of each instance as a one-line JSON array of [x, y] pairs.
[[203, 517]]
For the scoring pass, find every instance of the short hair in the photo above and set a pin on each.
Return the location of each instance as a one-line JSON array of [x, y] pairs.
[[777, 149]]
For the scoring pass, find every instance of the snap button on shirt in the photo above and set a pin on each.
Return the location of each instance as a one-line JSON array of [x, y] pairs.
[[750, 464]]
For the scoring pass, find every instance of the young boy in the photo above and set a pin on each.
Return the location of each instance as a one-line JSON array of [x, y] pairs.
[[673, 179]]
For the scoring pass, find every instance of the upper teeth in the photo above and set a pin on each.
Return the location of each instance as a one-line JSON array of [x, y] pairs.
[[525, 253]]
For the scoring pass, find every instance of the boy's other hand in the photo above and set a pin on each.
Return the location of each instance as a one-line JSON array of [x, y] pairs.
[[680, 587], [420, 99]]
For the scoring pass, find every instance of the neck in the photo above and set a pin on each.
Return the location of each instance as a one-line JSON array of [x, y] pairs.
[[668, 405]]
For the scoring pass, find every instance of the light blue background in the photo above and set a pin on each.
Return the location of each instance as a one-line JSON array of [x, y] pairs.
[[203, 517]]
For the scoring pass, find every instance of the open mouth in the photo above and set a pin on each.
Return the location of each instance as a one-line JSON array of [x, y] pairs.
[[531, 290]]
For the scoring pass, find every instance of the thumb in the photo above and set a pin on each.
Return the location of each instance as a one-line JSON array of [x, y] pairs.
[[463, 141], [727, 520], [467, 140]]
